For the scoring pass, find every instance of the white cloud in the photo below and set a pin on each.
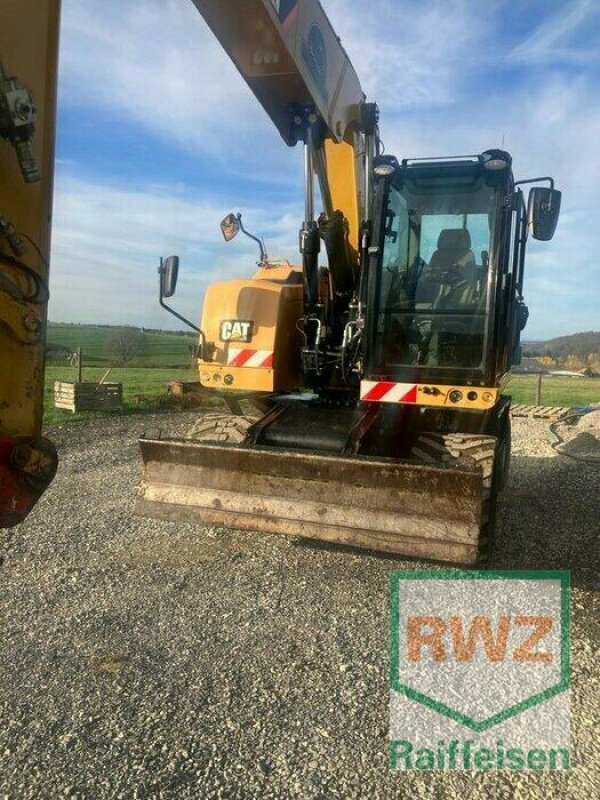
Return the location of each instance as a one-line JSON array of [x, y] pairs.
[[107, 242], [445, 76], [155, 62], [412, 54], [552, 40]]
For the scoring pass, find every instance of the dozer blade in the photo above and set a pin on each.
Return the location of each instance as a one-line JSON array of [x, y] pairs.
[[405, 508]]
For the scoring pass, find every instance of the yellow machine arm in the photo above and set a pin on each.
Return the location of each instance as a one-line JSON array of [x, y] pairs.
[[28, 70], [288, 53], [294, 63]]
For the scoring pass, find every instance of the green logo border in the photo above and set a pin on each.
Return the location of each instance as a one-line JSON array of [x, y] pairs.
[[563, 576]]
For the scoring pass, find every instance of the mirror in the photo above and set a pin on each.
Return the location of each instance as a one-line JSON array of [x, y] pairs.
[[169, 268], [542, 212], [230, 227]]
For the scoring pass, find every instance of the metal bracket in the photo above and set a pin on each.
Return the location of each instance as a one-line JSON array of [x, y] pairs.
[[17, 123]]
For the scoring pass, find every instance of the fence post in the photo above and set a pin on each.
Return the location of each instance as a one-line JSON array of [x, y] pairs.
[[538, 393], [79, 365]]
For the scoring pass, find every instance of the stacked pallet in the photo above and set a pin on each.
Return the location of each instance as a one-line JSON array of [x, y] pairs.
[[87, 396], [539, 412]]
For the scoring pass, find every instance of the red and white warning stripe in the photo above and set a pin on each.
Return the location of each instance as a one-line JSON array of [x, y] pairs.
[[388, 392], [250, 358]]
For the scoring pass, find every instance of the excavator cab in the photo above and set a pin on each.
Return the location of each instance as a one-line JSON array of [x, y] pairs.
[[444, 300], [437, 272]]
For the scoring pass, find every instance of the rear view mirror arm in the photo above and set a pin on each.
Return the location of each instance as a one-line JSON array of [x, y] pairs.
[[172, 311], [263, 252], [180, 317], [536, 180]]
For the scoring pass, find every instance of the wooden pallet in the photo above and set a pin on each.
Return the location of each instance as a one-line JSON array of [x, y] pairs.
[[88, 396], [539, 412]]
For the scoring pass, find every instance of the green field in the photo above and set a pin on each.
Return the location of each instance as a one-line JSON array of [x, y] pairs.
[[145, 389], [556, 391], [158, 349]]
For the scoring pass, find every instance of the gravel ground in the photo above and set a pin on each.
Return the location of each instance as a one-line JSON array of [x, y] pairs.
[[580, 437], [154, 660]]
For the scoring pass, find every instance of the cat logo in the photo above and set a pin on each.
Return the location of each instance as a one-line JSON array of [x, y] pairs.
[[236, 330]]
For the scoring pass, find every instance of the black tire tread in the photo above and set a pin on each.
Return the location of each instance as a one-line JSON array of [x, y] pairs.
[[221, 428], [454, 449]]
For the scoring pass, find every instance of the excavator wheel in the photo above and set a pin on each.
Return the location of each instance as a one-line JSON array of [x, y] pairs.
[[222, 428], [503, 454], [459, 449]]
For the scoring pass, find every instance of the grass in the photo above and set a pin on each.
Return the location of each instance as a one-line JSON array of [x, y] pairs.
[[159, 349], [556, 391], [152, 385]]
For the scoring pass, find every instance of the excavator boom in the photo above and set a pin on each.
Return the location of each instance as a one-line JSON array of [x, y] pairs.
[[290, 57], [28, 74]]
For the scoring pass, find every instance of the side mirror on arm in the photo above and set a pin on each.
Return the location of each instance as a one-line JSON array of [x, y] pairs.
[[168, 271], [230, 227], [542, 212]]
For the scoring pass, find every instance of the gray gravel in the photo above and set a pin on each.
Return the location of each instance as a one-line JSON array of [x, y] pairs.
[[580, 437], [154, 660]]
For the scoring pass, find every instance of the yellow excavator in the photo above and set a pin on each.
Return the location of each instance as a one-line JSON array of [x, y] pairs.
[[374, 383]]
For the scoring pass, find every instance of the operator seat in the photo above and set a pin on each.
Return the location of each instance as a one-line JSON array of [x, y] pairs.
[[452, 284], [452, 263], [454, 247]]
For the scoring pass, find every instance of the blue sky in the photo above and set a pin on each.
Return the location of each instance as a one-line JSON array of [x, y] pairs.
[[159, 138]]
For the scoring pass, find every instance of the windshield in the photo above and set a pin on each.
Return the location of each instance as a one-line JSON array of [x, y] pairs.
[[433, 291]]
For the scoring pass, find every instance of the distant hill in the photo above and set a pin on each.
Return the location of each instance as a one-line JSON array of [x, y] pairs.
[[578, 351], [157, 348]]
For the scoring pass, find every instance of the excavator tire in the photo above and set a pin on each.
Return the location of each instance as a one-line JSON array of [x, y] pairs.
[[456, 449], [503, 453], [224, 428], [460, 449]]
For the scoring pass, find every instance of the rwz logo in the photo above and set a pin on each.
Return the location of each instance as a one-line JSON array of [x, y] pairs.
[[486, 651], [431, 633]]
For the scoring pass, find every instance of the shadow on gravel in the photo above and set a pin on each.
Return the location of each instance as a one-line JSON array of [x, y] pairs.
[[549, 519]]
